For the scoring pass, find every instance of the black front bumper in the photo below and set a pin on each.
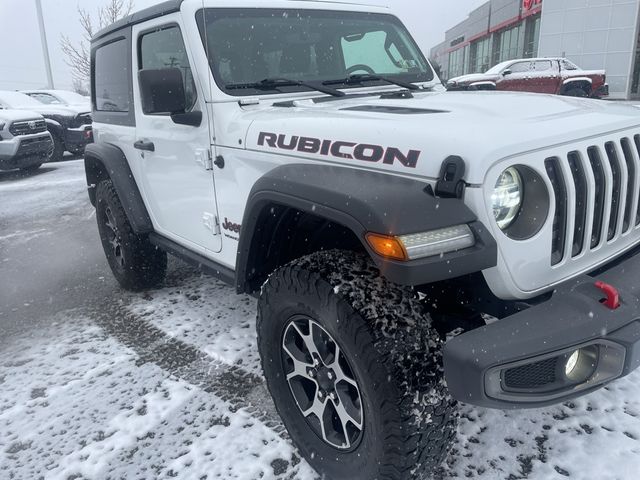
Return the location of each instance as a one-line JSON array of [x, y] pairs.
[[76, 139], [480, 363]]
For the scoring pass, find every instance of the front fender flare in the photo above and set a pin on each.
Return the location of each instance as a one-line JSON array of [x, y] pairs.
[[106, 161], [365, 201]]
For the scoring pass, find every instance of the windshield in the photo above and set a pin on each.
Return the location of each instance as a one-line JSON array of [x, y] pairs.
[[18, 100], [248, 46], [71, 98], [45, 98]]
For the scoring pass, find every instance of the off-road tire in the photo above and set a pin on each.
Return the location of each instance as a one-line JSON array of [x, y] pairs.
[[58, 148], [576, 92], [31, 168], [140, 265], [395, 355]]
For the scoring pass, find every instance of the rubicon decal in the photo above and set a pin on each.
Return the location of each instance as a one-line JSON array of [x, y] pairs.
[[339, 149]]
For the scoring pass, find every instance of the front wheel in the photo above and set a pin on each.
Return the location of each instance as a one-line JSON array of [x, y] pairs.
[[576, 92], [354, 366], [58, 148]]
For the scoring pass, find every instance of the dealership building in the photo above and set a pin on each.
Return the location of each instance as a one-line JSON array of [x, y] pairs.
[[594, 34]]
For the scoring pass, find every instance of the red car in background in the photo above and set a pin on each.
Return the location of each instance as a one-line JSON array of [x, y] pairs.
[[540, 75]]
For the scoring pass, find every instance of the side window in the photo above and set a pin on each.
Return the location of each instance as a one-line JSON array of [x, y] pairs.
[[567, 65], [542, 66], [165, 49], [112, 77], [372, 50], [520, 67]]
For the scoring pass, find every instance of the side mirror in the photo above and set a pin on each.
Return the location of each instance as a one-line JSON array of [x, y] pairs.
[[506, 73], [163, 93]]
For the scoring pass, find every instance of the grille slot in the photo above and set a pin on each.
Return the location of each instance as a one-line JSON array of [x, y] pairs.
[[580, 181], [18, 129], [597, 195], [532, 376], [560, 218]]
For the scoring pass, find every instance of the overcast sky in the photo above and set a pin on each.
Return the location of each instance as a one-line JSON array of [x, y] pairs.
[[21, 63]]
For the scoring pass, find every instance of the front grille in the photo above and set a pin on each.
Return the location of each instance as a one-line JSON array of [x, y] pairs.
[[597, 195], [81, 120], [532, 376], [18, 129]]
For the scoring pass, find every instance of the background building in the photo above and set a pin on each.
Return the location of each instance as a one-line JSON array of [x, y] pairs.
[[601, 34]]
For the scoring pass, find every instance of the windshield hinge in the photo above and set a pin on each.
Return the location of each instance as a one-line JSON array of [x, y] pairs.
[[246, 102], [451, 183]]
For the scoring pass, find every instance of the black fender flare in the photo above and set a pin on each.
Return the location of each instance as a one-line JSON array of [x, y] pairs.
[[55, 128], [365, 201], [106, 161]]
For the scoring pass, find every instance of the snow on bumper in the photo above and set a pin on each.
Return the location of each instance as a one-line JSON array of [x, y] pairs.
[[568, 346]]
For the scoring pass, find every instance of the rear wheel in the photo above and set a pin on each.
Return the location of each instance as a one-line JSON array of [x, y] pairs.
[[135, 262], [355, 369]]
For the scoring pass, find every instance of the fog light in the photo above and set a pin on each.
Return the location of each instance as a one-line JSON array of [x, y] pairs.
[[581, 364], [572, 363]]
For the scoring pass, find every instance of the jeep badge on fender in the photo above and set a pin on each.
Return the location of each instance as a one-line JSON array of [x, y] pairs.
[[363, 251]]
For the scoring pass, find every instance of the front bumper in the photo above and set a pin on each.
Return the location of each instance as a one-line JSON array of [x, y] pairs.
[[30, 151], [76, 139], [534, 345], [602, 91]]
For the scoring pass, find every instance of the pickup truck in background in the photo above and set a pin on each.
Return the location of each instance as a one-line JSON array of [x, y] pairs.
[[556, 76]]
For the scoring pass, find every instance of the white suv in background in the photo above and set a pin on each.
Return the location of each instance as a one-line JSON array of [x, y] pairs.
[[25, 142]]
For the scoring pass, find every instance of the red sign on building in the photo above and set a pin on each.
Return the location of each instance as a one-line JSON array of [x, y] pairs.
[[530, 4]]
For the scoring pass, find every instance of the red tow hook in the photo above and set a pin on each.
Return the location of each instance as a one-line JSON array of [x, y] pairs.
[[613, 296]]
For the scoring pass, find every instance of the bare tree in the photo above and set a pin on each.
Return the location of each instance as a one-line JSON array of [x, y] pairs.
[[78, 55]]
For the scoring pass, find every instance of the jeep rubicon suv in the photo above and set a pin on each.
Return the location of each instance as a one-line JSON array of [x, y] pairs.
[[24, 141], [409, 247]]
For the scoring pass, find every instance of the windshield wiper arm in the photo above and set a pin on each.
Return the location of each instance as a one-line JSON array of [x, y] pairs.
[[368, 77], [274, 83]]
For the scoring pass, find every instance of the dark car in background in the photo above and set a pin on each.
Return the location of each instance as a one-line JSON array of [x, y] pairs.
[[556, 76], [70, 126]]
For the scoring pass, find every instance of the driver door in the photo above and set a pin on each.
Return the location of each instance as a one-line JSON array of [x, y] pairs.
[[174, 161]]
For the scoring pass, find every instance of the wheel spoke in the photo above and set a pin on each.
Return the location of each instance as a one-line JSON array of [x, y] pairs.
[[340, 375], [345, 417], [308, 340], [300, 369]]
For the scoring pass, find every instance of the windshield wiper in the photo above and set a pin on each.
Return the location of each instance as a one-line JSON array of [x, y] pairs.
[[357, 78], [274, 83]]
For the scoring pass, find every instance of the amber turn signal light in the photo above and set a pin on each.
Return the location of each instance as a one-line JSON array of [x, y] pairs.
[[388, 247]]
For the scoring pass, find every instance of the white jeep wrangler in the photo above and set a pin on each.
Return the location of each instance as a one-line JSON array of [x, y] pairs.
[[410, 247]]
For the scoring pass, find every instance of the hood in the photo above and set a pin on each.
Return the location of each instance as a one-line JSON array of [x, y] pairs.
[[56, 110], [474, 77], [413, 136], [18, 116]]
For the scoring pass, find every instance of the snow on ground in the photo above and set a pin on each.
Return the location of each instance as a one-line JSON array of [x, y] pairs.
[[77, 403], [167, 384]]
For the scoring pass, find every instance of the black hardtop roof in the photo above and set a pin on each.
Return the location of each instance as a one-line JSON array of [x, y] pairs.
[[155, 11]]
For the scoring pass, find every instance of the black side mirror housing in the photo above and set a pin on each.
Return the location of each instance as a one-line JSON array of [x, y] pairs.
[[162, 91], [506, 73]]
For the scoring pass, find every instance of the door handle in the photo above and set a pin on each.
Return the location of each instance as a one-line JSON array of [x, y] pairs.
[[146, 146]]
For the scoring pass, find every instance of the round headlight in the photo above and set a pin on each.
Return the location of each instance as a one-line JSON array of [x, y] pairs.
[[507, 198]]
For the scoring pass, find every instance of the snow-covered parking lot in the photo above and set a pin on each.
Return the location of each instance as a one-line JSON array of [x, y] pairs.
[[96, 383]]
